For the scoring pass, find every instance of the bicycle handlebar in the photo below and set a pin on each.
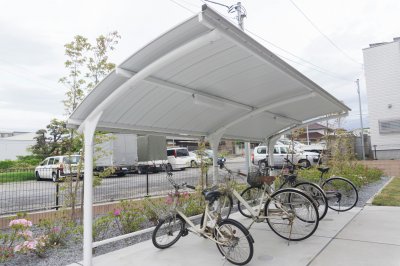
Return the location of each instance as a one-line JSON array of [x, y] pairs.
[[178, 186]]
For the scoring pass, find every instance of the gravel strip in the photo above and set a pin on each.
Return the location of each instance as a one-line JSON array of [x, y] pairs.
[[72, 252]]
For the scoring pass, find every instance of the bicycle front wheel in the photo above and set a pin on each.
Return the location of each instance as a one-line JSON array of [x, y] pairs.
[[317, 194], [341, 194], [252, 195], [291, 214], [234, 241], [168, 231]]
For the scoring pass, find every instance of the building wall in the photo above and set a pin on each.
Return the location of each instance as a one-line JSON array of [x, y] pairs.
[[10, 149], [382, 74]]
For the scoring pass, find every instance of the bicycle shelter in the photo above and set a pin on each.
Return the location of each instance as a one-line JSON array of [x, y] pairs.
[[203, 78]]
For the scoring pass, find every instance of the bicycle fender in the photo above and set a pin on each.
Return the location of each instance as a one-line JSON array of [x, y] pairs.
[[238, 224]]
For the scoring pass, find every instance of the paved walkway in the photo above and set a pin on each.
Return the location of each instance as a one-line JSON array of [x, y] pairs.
[[368, 236]]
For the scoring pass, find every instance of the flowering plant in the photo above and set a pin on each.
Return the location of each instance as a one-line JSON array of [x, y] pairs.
[[182, 197]]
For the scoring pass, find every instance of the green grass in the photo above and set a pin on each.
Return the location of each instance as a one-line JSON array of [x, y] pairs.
[[16, 176], [390, 195]]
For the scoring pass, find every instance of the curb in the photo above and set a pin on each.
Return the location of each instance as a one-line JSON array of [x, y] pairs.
[[369, 202]]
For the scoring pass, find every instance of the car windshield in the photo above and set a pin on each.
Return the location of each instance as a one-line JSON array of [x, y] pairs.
[[72, 159]]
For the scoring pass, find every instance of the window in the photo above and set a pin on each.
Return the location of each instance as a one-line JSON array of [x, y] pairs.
[[284, 150], [262, 150], [182, 152], [56, 160], [72, 159], [389, 126], [44, 162], [276, 150], [51, 161], [170, 152]]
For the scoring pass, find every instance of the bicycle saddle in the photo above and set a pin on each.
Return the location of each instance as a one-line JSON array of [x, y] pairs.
[[211, 196], [323, 169]]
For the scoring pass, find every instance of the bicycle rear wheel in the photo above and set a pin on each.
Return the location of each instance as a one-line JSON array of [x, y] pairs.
[[252, 195], [234, 241], [168, 231], [291, 214], [317, 194], [341, 194]]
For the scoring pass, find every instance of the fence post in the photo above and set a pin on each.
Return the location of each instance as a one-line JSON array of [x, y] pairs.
[[57, 195], [147, 181]]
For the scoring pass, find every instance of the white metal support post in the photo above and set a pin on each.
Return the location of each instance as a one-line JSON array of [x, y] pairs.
[[88, 127], [247, 153], [214, 142]]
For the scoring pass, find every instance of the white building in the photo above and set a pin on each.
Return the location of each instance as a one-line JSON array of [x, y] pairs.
[[11, 147], [382, 74]]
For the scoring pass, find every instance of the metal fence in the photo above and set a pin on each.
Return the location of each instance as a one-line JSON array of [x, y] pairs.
[[21, 192]]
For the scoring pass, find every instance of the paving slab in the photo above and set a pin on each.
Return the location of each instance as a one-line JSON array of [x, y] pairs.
[[375, 224], [269, 249], [371, 238]]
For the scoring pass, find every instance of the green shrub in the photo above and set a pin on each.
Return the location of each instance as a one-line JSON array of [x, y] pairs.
[[7, 164], [359, 174]]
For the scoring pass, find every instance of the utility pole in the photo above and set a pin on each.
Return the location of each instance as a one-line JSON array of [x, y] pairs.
[[240, 10], [361, 121], [241, 14]]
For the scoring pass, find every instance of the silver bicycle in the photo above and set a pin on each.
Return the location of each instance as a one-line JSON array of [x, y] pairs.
[[233, 240]]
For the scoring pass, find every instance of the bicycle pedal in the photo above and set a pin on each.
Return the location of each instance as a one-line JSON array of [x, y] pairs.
[[185, 233]]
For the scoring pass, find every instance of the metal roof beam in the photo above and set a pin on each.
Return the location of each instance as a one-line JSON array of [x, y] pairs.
[[184, 89], [156, 65], [263, 109], [193, 92]]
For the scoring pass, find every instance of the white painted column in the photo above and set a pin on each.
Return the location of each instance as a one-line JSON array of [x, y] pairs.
[[89, 127], [247, 154], [214, 142]]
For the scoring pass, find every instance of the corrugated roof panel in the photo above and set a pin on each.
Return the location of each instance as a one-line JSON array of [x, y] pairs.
[[249, 92]]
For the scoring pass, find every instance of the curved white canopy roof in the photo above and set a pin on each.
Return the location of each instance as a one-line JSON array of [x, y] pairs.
[[206, 77]]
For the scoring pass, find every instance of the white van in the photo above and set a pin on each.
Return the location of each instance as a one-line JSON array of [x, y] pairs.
[[179, 158], [259, 156]]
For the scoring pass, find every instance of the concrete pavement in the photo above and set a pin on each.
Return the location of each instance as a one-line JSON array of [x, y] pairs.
[[368, 236]]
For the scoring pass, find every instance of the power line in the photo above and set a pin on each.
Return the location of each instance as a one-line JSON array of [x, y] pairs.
[[323, 34], [318, 68], [311, 65], [175, 2]]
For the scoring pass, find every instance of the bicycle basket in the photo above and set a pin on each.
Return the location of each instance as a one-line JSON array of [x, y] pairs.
[[257, 179]]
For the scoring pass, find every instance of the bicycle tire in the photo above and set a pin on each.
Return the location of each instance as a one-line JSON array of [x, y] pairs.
[[252, 195], [341, 193], [291, 214], [170, 229], [238, 243], [316, 193]]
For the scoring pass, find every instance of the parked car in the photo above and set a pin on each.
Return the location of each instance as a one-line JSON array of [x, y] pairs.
[[260, 156], [57, 167], [179, 158], [208, 156]]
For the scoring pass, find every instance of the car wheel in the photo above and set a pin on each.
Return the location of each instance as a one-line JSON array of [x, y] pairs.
[[305, 163], [54, 177], [193, 164], [38, 178], [169, 168], [262, 165], [141, 170]]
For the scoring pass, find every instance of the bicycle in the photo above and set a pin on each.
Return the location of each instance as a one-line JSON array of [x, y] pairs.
[[233, 240], [289, 178], [289, 212], [341, 194]]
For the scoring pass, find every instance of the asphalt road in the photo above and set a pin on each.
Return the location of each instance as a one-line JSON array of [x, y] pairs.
[[41, 195]]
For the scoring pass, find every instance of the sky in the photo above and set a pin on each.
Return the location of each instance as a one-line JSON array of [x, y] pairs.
[[322, 39]]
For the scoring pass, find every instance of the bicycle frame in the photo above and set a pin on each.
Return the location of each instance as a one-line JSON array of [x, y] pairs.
[[202, 231]]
